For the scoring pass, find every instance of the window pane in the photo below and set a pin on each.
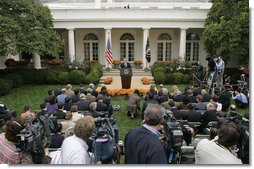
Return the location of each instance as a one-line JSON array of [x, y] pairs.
[[188, 51], [160, 52], [95, 51], [131, 52], [86, 51], [168, 51], [122, 50], [195, 51]]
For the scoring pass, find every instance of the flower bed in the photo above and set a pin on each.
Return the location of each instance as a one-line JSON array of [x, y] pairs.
[[145, 81], [54, 62], [120, 92], [108, 80]]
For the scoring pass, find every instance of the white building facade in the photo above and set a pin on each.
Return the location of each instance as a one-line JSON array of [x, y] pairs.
[[174, 28]]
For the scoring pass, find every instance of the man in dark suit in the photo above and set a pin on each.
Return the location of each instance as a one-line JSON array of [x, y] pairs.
[[209, 115], [125, 64], [83, 104], [193, 115], [60, 113]]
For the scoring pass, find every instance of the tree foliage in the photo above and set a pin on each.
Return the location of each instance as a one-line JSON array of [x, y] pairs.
[[26, 25], [227, 29]]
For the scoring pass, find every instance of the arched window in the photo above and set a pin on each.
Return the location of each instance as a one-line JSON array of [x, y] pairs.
[[164, 47], [127, 47], [192, 47], [91, 47]]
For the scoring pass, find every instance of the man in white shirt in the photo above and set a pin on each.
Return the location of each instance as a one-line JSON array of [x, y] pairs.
[[221, 150], [74, 149]]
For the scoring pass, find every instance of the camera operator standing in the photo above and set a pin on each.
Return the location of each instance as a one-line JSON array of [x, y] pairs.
[[9, 153], [220, 66]]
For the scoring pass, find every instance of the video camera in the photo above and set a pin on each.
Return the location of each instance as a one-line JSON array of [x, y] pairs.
[[31, 138]]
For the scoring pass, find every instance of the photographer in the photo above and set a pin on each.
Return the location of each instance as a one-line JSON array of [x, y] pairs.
[[222, 149], [220, 66], [9, 153], [240, 99], [142, 145]]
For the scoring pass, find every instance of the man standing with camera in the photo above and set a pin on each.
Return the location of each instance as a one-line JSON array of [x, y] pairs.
[[143, 145], [220, 66]]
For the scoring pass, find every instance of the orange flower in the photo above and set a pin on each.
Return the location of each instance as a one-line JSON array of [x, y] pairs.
[[116, 62], [138, 62], [143, 91], [108, 80], [145, 81], [54, 62]]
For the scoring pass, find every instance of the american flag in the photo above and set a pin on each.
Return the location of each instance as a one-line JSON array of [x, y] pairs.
[[109, 56]]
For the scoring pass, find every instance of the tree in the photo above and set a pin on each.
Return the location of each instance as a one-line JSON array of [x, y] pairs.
[[27, 25], [227, 29]]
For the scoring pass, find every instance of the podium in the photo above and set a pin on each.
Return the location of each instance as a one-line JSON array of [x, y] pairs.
[[126, 74]]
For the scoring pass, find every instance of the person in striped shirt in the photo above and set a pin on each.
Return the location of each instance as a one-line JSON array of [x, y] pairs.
[[9, 153]]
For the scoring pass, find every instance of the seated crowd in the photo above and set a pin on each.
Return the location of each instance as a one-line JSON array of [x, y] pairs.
[[72, 108]]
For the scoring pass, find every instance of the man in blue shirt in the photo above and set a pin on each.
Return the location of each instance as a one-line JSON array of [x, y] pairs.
[[241, 100], [142, 145], [220, 66]]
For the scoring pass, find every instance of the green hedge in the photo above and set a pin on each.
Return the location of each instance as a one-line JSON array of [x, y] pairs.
[[177, 78], [77, 76], [159, 78], [16, 79], [64, 78], [5, 86]]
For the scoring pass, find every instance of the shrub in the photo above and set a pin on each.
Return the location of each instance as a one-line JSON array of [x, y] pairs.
[[186, 79], [64, 78], [28, 76], [156, 66], [177, 78], [51, 77], [16, 79], [77, 76], [92, 78], [169, 79], [159, 77], [5, 86], [160, 69], [39, 77]]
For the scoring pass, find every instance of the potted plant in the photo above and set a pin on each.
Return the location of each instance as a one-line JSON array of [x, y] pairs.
[[116, 64], [138, 64]]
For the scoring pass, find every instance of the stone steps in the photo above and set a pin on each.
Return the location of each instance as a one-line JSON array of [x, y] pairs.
[[137, 74]]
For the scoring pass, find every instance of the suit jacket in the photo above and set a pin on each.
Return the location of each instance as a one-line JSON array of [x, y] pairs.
[[122, 65], [207, 117], [194, 116], [176, 113], [163, 98], [101, 107], [59, 114], [75, 99], [83, 105], [91, 98], [95, 93], [206, 98]]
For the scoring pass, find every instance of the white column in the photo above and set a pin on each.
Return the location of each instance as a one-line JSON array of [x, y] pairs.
[[37, 61], [2, 60], [182, 47], [97, 3], [71, 41], [108, 35], [145, 36]]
